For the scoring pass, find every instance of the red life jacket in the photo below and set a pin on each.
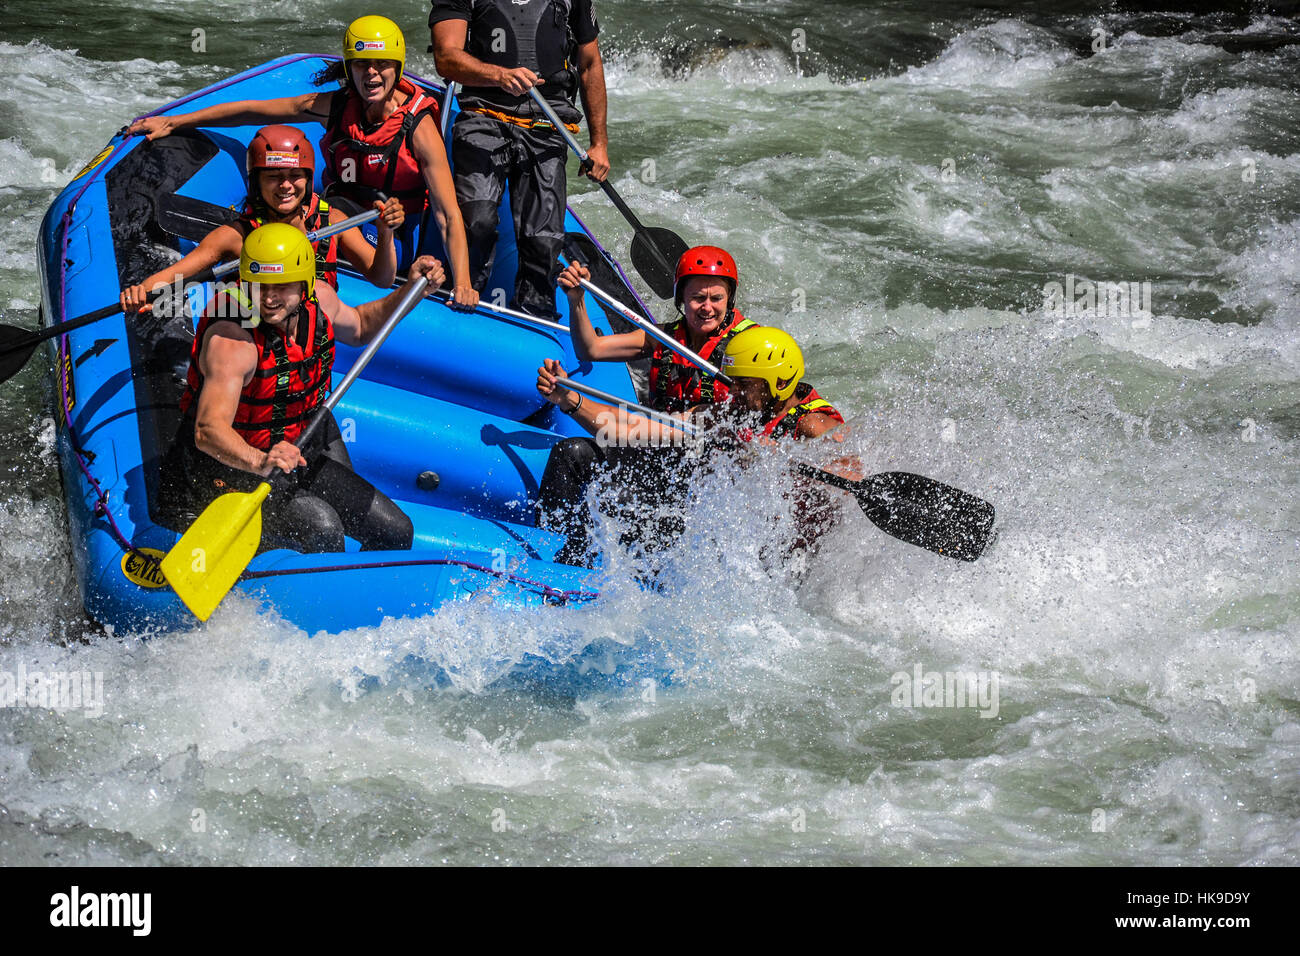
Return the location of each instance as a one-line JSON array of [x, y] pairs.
[[378, 157], [676, 384], [291, 380], [316, 216], [787, 423]]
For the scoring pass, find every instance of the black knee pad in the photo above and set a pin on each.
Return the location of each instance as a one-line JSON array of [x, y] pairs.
[[569, 470], [309, 525], [387, 527]]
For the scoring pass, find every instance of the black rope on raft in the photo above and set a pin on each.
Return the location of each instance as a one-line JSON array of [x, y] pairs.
[[552, 595]]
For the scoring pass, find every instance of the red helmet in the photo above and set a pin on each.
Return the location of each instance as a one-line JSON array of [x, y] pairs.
[[281, 147], [705, 261]]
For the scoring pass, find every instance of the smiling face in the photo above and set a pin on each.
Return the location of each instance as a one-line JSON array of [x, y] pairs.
[[704, 302], [277, 301], [373, 79], [284, 190]]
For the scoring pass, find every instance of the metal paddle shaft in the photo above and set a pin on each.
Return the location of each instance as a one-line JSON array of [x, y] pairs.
[[919, 510], [656, 333], [655, 251], [600, 396], [484, 308], [209, 558], [17, 345], [410, 298]]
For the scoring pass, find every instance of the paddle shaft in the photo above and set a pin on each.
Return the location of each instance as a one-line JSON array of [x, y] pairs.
[[214, 272], [606, 397], [501, 310], [410, 298], [605, 184], [652, 330], [447, 95]]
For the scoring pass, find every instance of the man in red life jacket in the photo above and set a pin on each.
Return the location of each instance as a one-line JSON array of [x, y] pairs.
[[769, 403], [704, 291], [259, 368], [499, 49]]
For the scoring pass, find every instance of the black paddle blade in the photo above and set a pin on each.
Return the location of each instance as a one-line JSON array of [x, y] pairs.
[[655, 252], [920, 511], [16, 347], [927, 513], [191, 218]]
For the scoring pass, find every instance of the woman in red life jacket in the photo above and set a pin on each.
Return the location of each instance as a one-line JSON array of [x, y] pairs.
[[704, 292], [769, 402], [381, 134], [259, 368], [281, 166]]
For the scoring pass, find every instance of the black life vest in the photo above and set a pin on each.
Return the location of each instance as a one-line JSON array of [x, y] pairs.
[[536, 35]]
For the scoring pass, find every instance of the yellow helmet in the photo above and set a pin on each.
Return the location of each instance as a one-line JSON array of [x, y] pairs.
[[277, 253], [374, 38], [766, 353]]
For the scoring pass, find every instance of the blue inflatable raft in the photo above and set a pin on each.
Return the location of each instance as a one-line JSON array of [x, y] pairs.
[[450, 393]]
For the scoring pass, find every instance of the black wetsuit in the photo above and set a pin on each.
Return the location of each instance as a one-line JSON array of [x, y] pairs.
[[487, 153], [636, 482], [309, 511]]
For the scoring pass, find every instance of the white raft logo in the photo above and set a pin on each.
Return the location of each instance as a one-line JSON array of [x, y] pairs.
[[103, 909], [978, 689]]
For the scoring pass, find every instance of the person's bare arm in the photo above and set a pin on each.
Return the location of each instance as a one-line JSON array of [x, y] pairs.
[[614, 423], [377, 263], [307, 108], [456, 64], [357, 326], [591, 84], [220, 245], [590, 347], [432, 157], [821, 428]]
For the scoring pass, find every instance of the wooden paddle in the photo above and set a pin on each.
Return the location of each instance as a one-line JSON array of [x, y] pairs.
[[206, 562], [655, 250]]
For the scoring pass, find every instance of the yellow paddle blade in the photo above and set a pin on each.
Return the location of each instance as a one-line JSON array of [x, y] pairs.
[[209, 558]]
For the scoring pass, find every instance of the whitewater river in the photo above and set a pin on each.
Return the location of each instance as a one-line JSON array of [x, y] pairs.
[[904, 190]]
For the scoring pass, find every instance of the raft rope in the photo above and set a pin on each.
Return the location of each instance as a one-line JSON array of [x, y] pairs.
[[552, 595]]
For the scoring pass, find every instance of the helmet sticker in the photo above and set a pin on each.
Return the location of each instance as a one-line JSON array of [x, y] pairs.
[[279, 157], [269, 268], [370, 45]]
